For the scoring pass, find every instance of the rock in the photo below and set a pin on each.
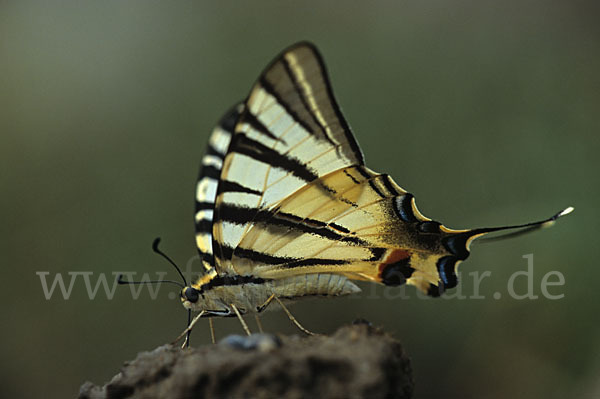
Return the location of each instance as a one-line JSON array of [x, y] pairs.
[[357, 361]]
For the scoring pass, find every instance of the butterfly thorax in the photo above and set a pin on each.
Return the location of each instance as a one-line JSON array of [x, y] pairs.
[[249, 293]]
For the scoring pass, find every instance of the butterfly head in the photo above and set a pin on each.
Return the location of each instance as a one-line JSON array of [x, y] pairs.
[[193, 299], [189, 296], [193, 296]]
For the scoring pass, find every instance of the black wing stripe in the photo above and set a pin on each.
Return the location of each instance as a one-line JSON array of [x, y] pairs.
[[241, 215], [210, 150], [388, 185], [351, 177], [230, 186], [258, 126], [208, 257], [268, 87], [255, 150], [369, 178], [377, 253], [204, 206], [204, 226], [302, 97], [376, 189], [363, 172], [340, 228], [336, 108], [314, 262], [230, 119], [286, 262], [210, 171]]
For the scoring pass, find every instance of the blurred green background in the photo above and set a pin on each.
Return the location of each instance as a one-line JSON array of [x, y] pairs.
[[487, 111]]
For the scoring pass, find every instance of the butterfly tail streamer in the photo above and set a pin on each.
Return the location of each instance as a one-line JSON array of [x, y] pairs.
[[459, 241], [522, 229]]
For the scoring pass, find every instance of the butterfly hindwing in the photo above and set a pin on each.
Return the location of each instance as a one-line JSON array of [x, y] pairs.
[[208, 183], [367, 228]]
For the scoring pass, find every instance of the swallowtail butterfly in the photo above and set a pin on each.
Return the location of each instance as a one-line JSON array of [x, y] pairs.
[[286, 208]]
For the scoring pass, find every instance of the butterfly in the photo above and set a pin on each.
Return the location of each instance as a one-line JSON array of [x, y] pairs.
[[286, 208]]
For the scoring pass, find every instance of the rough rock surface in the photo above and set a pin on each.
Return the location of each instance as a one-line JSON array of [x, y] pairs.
[[357, 361]]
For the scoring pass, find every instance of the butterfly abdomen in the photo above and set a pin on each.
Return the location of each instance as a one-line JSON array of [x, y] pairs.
[[313, 284], [249, 297]]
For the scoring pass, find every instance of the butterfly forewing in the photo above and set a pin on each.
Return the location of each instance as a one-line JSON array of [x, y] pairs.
[[289, 134]]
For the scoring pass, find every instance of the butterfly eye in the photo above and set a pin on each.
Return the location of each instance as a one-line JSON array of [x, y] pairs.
[[191, 294]]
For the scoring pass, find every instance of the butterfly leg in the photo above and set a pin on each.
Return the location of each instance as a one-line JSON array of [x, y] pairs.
[[287, 312], [293, 319], [258, 323], [212, 330], [186, 341], [264, 305], [260, 309], [244, 325], [187, 330]]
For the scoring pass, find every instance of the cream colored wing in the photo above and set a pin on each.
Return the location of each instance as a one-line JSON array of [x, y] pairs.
[[364, 226], [284, 191], [289, 133], [208, 183]]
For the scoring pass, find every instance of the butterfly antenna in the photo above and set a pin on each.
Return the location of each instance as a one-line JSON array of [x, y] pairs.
[[161, 253], [187, 337], [120, 281], [158, 251], [523, 228]]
